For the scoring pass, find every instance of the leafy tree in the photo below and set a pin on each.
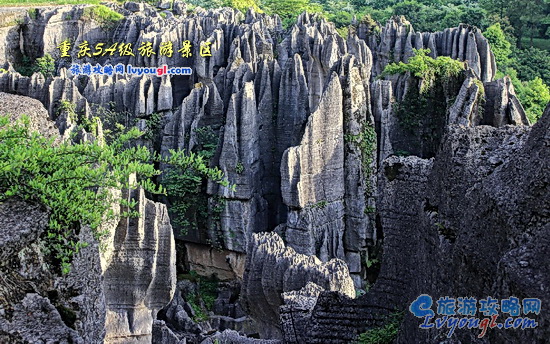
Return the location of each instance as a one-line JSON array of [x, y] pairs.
[[45, 65], [532, 63], [288, 10], [534, 97], [499, 45], [74, 180]]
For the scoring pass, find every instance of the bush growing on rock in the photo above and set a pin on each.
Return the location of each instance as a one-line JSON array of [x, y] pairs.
[[74, 180], [106, 17], [426, 68]]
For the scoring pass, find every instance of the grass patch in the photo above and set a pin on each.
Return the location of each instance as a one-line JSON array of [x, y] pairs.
[[106, 17]]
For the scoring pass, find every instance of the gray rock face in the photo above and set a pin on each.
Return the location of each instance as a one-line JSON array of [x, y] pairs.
[[140, 273], [233, 337], [273, 269], [44, 322], [114, 292], [441, 239], [292, 115], [398, 38], [17, 106], [69, 308]]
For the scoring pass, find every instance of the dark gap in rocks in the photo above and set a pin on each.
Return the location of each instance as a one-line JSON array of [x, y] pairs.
[[392, 171], [68, 315]]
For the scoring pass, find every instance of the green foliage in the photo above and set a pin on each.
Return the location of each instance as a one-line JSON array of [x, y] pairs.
[[243, 5], [382, 335], [32, 12], [534, 96], [366, 142], [153, 125], [195, 302], [532, 63], [319, 205], [103, 15], [435, 15], [74, 180], [499, 45], [426, 68], [207, 141], [539, 43], [69, 108], [114, 123], [188, 203], [343, 31], [47, 2], [239, 168], [206, 294], [44, 65], [288, 10], [208, 291]]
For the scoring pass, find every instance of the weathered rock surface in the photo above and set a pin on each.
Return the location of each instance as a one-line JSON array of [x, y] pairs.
[[140, 274], [17, 106], [468, 222], [273, 268], [233, 337], [113, 293], [289, 115], [398, 39]]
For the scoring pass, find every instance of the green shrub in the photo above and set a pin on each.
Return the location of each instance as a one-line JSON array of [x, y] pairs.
[[382, 335], [153, 125], [70, 108], [239, 168], [103, 15], [188, 202], [319, 205], [73, 180], [33, 12], [44, 65], [426, 68]]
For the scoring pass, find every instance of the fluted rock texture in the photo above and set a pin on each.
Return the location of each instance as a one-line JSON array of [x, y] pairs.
[[111, 295], [140, 271], [469, 222], [273, 268], [323, 152]]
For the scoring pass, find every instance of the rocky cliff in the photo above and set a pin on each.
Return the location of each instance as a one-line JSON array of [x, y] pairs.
[[115, 287], [348, 168]]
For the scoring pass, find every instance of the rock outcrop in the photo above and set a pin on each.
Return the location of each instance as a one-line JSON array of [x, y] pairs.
[[468, 222], [273, 268], [398, 39], [139, 272], [337, 161], [111, 295]]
